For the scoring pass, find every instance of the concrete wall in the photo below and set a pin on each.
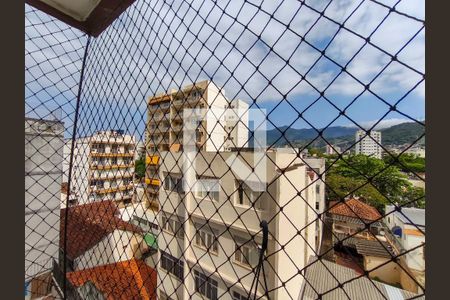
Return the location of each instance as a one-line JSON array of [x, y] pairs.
[[117, 246], [389, 273], [408, 283], [43, 174]]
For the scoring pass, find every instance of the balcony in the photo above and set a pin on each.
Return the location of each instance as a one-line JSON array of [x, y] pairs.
[[151, 181], [152, 160]]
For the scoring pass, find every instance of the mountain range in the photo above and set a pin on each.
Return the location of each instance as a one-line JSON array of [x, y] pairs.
[[343, 136]]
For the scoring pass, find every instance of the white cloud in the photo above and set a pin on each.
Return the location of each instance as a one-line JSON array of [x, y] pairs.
[[151, 49], [382, 124]]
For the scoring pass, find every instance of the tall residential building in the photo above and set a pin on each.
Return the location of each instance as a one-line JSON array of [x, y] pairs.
[[224, 126], [43, 174], [368, 144], [103, 167], [206, 237]]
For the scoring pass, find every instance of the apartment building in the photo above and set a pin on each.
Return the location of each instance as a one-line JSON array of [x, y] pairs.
[[103, 167], [368, 144], [406, 232], [207, 249], [224, 126], [43, 174], [316, 168]]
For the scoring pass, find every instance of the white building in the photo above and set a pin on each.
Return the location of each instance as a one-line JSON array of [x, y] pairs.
[[43, 173], [206, 237], [103, 167], [332, 149], [408, 228], [317, 174], [368, 144], [224, 126]]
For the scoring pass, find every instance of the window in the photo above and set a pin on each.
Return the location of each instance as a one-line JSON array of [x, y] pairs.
[[246, 254], [239, 296], [205, 285], [246, 196], [173, 183], [317, 205], [207, 240], [172, 265], [173, 226], [114, 161], [207, 188], [114, 149]]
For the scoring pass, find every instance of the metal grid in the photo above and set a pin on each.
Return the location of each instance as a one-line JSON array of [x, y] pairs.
[[300, 64]]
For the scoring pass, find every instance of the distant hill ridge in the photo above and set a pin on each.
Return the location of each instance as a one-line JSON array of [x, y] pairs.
[[404, 133]]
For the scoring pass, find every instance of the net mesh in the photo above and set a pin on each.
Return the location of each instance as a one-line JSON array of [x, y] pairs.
[[227, 150]]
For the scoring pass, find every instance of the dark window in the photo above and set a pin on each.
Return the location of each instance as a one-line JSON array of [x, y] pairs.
[[205, 285], [172, 265]]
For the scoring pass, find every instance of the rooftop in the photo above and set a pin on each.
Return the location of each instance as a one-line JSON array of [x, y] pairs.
[[355, 208], [131, 279], [409, 215], [323, 278], [366, 247], [88, 224]]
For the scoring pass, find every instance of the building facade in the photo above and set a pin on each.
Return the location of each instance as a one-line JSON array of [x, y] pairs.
[[316, 168], [368, 144], [103, 167], [206, 236], [407, 231], [224, 126], [332, 150], [43, 174]]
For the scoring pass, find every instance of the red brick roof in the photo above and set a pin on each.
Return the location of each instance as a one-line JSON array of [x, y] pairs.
[[88, 224], [355, 208], [131, 279]]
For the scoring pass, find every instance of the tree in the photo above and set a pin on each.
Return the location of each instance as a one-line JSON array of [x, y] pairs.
[[372, 179], [339, 187], [408, 162], [139, 168], [387, 179], [414, 196]]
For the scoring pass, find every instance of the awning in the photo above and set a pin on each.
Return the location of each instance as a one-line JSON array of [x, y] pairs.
[[151, 240]]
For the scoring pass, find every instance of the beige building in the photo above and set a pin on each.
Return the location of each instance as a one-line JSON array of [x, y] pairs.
[[217, 131], [103, 167], [206, 234]]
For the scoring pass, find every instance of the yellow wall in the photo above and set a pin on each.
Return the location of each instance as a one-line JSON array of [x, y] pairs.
[[389, 273]]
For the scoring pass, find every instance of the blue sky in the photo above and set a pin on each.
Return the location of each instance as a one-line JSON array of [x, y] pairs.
[[230, 43]]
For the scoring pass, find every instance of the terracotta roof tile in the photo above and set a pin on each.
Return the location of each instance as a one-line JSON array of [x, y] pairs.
[[88, 224], [131, 279], [355, 208]]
